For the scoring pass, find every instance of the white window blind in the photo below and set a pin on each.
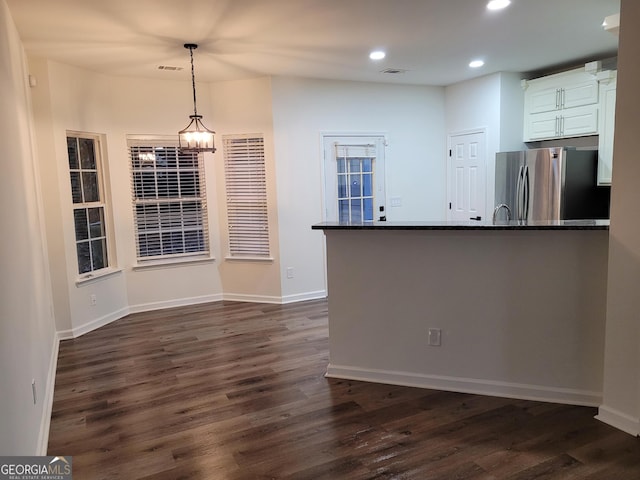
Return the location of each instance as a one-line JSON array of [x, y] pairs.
[[246, 187], [169, 199], [345, 151]]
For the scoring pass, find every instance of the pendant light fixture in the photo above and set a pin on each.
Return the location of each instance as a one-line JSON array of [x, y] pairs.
[[195, 137]]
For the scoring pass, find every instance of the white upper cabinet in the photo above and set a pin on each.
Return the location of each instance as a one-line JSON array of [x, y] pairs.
[[573, 122], [561, 105], [579, 94], [543, 100]]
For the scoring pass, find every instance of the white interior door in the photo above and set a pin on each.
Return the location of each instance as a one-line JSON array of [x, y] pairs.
[[354, 179], [467, 176]]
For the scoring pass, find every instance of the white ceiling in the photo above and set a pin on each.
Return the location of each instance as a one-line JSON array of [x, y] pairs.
[[433, 40]]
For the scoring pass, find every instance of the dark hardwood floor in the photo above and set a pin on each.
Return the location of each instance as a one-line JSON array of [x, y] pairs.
[[236, 391]]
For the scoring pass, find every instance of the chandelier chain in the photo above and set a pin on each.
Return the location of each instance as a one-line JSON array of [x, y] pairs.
[[193, 81]]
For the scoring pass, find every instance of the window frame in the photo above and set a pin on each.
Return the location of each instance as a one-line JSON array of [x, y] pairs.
[[150, 142], [102, 203], [356, 186]]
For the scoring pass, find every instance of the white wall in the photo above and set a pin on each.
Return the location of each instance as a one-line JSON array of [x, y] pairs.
[[494, 103], [511, 112], [241, 107], [621, 405], [304, 109], [68, 98], [28, 343], [80, 100], [142, 106]]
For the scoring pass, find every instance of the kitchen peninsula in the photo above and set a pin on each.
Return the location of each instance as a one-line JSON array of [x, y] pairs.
[[518, 310]]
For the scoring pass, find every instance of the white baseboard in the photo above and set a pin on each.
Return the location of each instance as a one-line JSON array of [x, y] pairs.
[[180, 302], [469, 385], [47, 400], [619, 420], [93, 324], [302, 297], [243, 297], [232, 297]]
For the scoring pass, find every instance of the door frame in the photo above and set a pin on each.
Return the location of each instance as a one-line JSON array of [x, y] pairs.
[[323, 168], [479, 130]]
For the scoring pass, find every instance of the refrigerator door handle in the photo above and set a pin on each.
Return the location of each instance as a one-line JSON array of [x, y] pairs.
[[519, 193], [526, 193]]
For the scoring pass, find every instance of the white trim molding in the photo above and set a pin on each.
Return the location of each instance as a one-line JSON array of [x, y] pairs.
[[47, 405], [249, 298], [520, 391], [302, 297], [93, 324], [299, 297], [183, 302], [180, 302], [619, 420]]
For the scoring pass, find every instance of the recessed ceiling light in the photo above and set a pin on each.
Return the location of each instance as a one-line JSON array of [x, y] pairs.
[[476, 63], [377, 55], [498, 4]]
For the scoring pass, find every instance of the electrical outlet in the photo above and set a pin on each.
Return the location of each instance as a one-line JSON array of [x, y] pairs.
[[289, 272], [93, 299], [435, 337]]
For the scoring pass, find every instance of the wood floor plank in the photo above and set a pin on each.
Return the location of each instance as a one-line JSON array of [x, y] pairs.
[[236, 391]]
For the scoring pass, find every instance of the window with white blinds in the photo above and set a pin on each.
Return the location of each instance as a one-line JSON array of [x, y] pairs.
[[169, 199], [246, 188]]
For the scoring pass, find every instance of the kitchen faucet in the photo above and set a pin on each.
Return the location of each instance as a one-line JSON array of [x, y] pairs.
[[497, 209]]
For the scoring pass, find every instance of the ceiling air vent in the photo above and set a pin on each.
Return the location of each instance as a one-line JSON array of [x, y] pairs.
[[169, 67], [393, 71]]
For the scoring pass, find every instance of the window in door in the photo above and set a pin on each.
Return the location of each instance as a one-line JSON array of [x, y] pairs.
[[354, 179], [355, 187]]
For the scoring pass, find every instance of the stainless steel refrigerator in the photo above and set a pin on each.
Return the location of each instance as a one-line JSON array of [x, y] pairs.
[[549, 184]]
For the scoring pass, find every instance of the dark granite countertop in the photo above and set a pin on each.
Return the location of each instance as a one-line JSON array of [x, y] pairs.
[[470, 225]]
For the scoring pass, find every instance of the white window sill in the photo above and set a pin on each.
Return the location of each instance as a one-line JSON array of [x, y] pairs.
[[171, 263], [250, 259], [88, 278]]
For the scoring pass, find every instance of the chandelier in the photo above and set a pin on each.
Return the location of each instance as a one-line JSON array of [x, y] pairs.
[[195, 137]]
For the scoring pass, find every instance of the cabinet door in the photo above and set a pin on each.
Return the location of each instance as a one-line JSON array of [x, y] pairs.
[[607, 125], [541, 126], [579, 121], [544, 100], [577, 95]]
